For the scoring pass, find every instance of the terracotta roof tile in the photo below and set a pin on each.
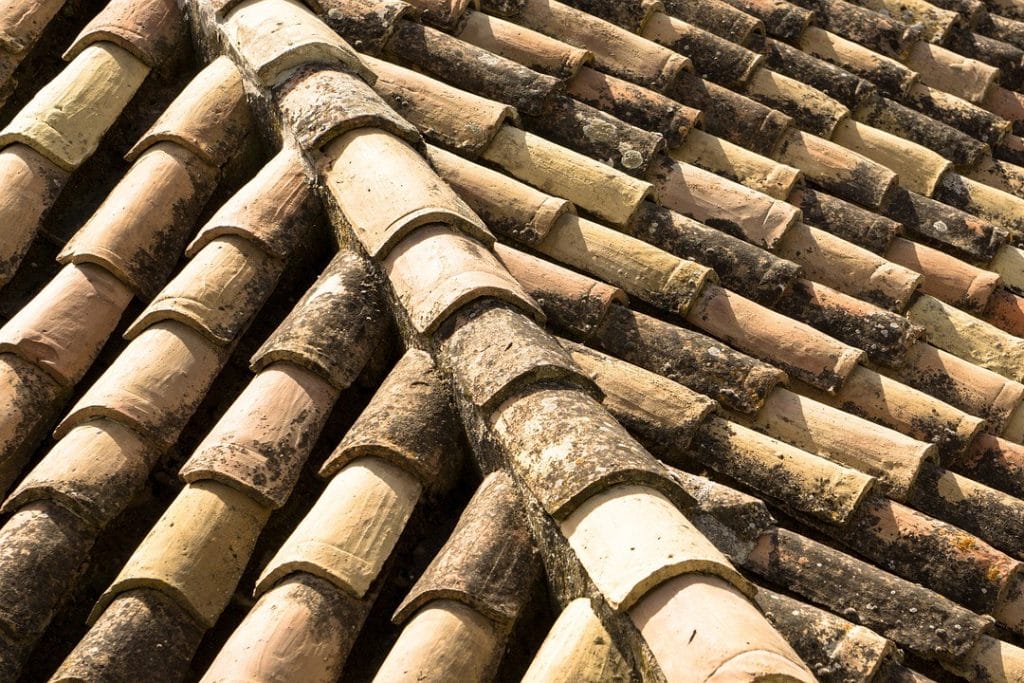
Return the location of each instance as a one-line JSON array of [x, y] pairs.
[[152, 30], [401, 195], [714, 58], [720, 18], [879, 31], [578, 647], [367, 23], [34, 182], [145, 220], [850, 90], [454, 118], [738, 164], [892, 78], [30, 398], [945, 277], [21, 23], [947, 226], [443, 13], [67, 118], [782, 20], [811, 109], [845, 220], [531, 49], [959, 113]]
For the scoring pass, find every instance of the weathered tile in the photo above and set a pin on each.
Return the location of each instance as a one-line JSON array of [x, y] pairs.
[[830, 645], [471, 68], [644, 271], [453, 118], [320, 104], [718, 17], [488, 562], [436, 271], [217, 293], [885, 336], [616, 50], [530, 48], [974, 236], [21, 24], [736, 163], [386, 190], [635, 104], [509, 207], [365, 24], [154, 385], [567, 448], [629, 14], [694, 360], [275, 36], [334, 327], [573, 303], [30, 400], [878, 600], [410, 422], [879, 31], [662, 414], [794, 479], [851, 90], [702, 629], [739, 265], [210, 118], [195, 552], [919, 169], [350, 532], [937, 22], [782, 20], [1005, 310], [937, 555], [714, 58], [941, 68], [162, 637], [445, 14], [895, 459], [488, 374], [959, 113], [445, 640], [1009, 263], [630, 539], [892, 78], [69, 115], [733, 116], [93, 471], [304, 628], [897, 406], [959, 147], [261, 443], [838, 170], [590, 184], [969, 338], [597, 134], [846, 220], [142, 226], [1001, 175], [152, 30], [811, 109], [945, 277], [721, 203], [62, 329], [577, 648], [800, 350], [990, 658], [832, 261], [31, 184], [271, 210]]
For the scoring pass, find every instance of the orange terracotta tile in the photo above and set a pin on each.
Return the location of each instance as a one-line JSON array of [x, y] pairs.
[[1005, 310], [460, 271], [530, 48], [31, 401], [919, 169], [152, 30], [456, 119], [409, 422], [31, 184], [942, 68], [94, 471], [725, 636], [333, 329], [573, 303], [386, 200], [507, 206], [798, 349], [210, 118], [945, 277], [738, 164], [261, 443], [321, 104], [63, 328], [721, 203], [154, 385], [294, 37], [141, 228], [272, 210]]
